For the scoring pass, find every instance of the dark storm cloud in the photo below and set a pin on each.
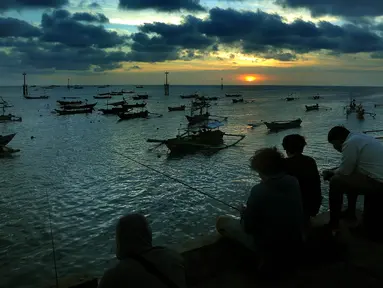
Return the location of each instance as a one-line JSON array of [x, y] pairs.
[[163, 5], [346, 8], [87, 17], [20, 4], [260, 32], [12, 27], [61, 27]]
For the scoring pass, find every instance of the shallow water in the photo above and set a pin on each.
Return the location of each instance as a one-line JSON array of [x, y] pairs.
[[76, 168]]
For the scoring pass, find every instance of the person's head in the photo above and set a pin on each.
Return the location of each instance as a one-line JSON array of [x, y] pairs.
[[267, 162], [133, 235], [336, 136], [293, 144]]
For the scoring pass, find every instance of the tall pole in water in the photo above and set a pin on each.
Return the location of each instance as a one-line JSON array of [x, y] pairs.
[[25, 87], [68, 86], [221, 83], [166, 85]]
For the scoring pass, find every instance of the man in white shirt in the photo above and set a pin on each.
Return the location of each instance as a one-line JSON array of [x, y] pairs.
[[360, 171]]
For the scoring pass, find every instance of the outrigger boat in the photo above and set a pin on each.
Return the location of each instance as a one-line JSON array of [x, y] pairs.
[[312, 107], [114, 110], [233, 95], [203, 98], [77, 111], [85, 106], [139, 86], [282, 125], [128, 116], [36, 97], [207, 137], [141, 96], [137, 105], [177, 108], [237, 100], [118, 103], [9, 117], [190, 96], [203, 115], [4, 140], [69, 102], [99, 96]]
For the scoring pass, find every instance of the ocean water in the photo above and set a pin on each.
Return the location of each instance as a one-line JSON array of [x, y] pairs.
[[77, 168]]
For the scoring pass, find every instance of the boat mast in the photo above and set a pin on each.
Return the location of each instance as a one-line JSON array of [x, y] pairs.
[[25, 87]]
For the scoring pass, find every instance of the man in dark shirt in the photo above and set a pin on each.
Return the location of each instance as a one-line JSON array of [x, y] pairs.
[[305, 169], [272, 222]]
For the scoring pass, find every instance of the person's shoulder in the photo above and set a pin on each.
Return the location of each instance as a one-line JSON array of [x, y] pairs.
[[310, 159], [165, 252]]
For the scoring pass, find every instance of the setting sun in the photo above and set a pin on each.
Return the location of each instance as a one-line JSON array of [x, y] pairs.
[[250, 78]]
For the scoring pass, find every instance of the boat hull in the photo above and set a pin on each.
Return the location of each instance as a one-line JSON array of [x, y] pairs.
[[69, 102], [137, 105], [312, 108], [102, 97], [113, 111], [73, 107], [140, 97], [193, 143], [71, 112], [128, 116], [4, 140], [181, 108], [276, 126]]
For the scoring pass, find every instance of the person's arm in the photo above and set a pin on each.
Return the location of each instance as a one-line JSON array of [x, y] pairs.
[[349, 159]]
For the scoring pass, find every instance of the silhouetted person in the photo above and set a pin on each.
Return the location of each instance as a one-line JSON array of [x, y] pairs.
[[140, 264], [272, 222], [360, 171], [305, 169]]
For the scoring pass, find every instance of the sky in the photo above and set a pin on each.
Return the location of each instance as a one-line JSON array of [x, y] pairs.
[[245, 42]]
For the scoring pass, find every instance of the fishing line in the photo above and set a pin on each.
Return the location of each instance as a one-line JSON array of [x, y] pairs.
[[177, 180], [52, 240]]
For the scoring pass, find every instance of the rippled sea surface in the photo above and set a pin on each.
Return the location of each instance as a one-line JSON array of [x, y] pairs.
[[78, 168]]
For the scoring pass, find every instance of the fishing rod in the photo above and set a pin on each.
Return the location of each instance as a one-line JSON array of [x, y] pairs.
[[52, 240], [177, 180]]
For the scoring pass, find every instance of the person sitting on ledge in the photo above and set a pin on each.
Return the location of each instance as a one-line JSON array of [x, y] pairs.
[[305, 169], [141, 264], [272, 222], [360, 172]]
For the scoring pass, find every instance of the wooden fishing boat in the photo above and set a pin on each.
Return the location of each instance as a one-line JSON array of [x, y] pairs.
[[108, 96], [290, 98], [114, 110], [207, 137], [7, 151], [69, 102], [282, 125], [128, 116], [137, 105], [141, 97], [36, 97], [177, 108], [128, 92], [316, 97], [233, 95], [116, 93], [237, 100], [139, 86], [118, 103], [190, 96], [312, 107], [77, 111], [9, 117], [71, 97], [78, 87], [85, 106], [378, 105], [4, 140], [203, 98]]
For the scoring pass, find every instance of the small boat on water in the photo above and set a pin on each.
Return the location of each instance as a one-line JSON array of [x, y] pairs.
[[177, 108], [312, 107], [114, 110], [203, 98], [116, 93], [137, 105], [85, 106], [282, 125], [195, 119], [141, 97], [378, 105], [190, 96], [78, 87], [237, 100], [118, 103], [128, 92], [4, 140], [77, 111], [206, 137], [290, 99], [77, 102], [128, 116], [139, 86], [99, 96], [36, 97], [71, 97], [9, 117], [316, 97], [233, 95]]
